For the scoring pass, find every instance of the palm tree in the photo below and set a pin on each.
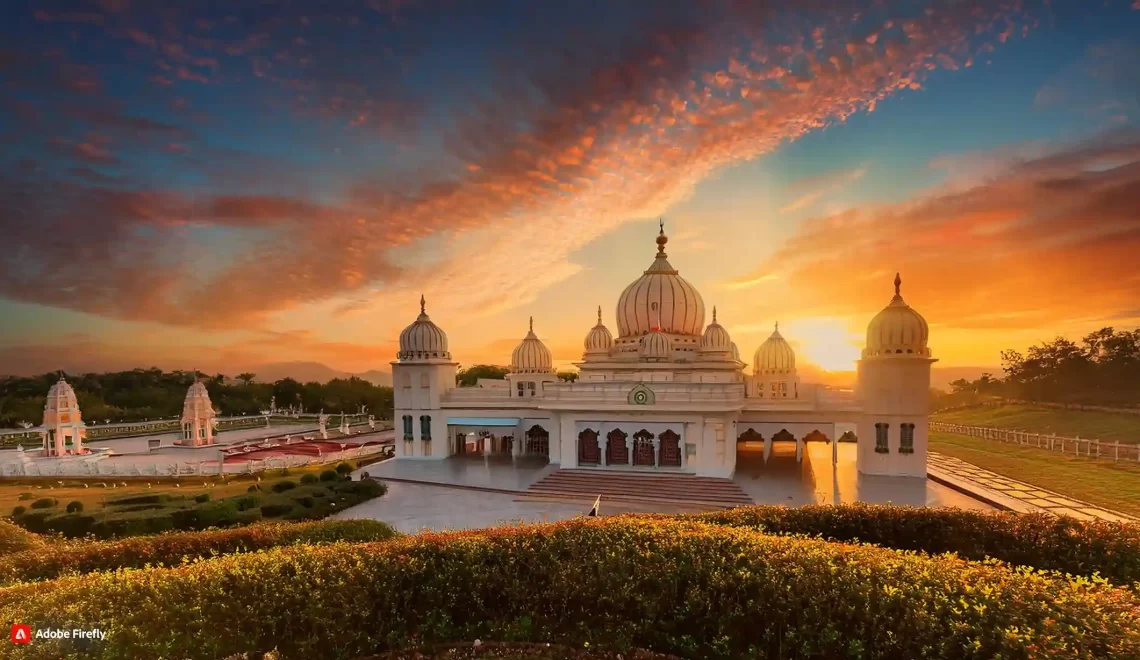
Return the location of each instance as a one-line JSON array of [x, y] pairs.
[[246, 378]]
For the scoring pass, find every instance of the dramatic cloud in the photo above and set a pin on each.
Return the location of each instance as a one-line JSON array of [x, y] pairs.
[[563, 134], [1051, 239]]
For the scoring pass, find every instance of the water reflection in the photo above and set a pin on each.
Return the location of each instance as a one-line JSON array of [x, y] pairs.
[[816, 481]]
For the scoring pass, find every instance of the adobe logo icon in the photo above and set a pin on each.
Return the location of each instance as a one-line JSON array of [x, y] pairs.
[[21, 633]]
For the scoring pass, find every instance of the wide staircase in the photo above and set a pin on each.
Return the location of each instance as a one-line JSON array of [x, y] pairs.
[[639, 487]]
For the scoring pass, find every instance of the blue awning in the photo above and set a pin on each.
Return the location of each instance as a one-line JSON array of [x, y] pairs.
[[482, 421]]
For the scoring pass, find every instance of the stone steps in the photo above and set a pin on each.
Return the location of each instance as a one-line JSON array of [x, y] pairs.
[[640, 487]]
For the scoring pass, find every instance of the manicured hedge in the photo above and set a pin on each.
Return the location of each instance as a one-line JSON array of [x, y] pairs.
[[45, 561], [681, 587], [1038, 540]]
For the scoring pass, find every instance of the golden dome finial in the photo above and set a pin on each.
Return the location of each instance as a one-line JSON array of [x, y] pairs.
[[898, 284], [714, 313], [423, 304], [662, 239], [599, 314]]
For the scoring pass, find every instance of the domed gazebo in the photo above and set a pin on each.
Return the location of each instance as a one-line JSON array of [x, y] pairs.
[[423, 340], [198, 417], [63, 429], [598, 341]]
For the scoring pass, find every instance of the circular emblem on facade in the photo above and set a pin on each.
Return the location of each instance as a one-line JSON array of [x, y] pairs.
[[642, 396]]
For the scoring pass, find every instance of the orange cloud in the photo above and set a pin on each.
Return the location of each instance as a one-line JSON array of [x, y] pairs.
[[1049, 241]]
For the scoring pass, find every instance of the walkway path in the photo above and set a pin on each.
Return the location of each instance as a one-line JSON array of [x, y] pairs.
[[1010, 494]]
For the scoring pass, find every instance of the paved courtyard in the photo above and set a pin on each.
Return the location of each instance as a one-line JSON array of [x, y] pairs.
[[1012, 494], [459, 501]]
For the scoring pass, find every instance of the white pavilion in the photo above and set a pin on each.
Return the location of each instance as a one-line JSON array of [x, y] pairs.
[[63, 429], [668, 393]]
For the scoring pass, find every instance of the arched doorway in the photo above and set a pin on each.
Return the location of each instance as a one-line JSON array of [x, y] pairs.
[[848, 436], [816, 436], [537, 441], [670, 449], [589, 452], [616, 451], [751, 435], [643, 448], [783, 435]]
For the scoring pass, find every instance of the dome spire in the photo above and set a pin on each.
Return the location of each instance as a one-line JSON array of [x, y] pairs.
[[532, 324], [714, 313], [898, 284], [662, 239], [599, 314], [423, 304]]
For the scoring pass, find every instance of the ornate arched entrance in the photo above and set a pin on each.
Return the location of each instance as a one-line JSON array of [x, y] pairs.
[[616, 451], [643, 448], [670, 449], [537, 441], [816, 436], [589, 452]]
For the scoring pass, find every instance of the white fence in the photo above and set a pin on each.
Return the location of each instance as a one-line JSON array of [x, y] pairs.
[[103, 468], [1078, 446]]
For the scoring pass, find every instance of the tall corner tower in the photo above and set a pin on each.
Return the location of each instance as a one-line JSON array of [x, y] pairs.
[[422, 373], [894, 389]]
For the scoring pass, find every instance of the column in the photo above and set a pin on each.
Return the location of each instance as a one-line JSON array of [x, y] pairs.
[[604, 444], [767, 447], [656, 451], [834, 448]]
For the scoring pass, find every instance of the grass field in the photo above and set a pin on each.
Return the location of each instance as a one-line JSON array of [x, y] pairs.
[[1111, 485], [1104, 426], [94, 493]]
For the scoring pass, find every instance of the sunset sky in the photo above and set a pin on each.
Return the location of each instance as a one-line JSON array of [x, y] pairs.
[[218, 185]]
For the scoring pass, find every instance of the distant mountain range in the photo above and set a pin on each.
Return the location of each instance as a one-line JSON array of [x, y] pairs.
[[314, 371]]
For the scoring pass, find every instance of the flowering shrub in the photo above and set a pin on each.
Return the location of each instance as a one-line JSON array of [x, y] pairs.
[[1039, 540], [671, 586], [47, 561], [14, 538]]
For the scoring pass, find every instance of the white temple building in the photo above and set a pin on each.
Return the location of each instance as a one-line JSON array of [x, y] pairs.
[[63, 429], [668, 393], [199, 419]]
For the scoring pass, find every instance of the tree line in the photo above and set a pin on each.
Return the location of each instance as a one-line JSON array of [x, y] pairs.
[[1101, 369], [140, 394]]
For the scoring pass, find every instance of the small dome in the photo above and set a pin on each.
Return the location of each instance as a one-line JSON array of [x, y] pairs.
[[61, 399], [716, 339], [660, 297], [599, 340], [423, 340], [197, 404], [775, 355], [735, 352], [531, 356], [655, 346], [897, 330]]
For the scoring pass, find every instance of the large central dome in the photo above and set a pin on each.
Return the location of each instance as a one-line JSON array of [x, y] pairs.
[[661, 298]]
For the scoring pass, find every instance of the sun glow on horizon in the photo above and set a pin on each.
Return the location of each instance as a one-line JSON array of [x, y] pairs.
[[825, 341]]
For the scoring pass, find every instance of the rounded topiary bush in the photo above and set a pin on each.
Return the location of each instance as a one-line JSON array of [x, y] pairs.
[[679, 587], [309, 478], [343, 469], [45, 503], [202, 497], [27, 496], [275, 509], [329, 475], [282, 486], [75, 506], [19, 510]]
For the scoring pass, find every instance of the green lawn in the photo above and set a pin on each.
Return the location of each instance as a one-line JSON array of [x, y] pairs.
[[1104, 426], [1111, 485]]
